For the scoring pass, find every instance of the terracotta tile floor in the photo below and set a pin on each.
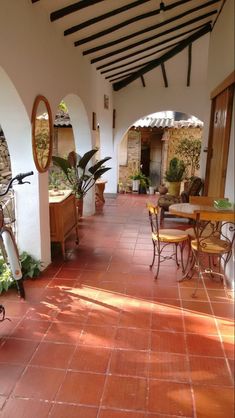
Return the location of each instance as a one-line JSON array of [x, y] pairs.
[[97, 337]]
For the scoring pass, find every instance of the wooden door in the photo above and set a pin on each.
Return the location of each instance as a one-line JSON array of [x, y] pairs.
[[218, 146]]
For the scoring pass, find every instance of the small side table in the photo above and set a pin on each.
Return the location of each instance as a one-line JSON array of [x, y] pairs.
[[99, 191]]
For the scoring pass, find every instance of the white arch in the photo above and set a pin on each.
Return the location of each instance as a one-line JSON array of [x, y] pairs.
[[33, 234], [82, 138]]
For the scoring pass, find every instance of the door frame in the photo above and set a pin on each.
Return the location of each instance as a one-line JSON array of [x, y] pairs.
[[227, 84]]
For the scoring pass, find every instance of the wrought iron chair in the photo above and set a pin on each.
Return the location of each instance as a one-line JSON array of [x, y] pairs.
[[165, 201], [161, 238], [213, 244]]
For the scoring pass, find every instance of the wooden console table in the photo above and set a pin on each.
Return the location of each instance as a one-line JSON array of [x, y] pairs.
[[63, 217]]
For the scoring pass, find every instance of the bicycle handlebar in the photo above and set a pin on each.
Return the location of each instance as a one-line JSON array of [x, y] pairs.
[[19, 178]]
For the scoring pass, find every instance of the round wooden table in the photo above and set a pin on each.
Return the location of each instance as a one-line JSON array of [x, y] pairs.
[[188, 210]]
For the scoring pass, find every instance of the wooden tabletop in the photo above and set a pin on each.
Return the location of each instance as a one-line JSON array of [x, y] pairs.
[[188, 210]]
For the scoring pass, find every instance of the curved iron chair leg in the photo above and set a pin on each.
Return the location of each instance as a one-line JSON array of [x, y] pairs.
[[154, 254], [199, 276], [158, 266], [176, 254]]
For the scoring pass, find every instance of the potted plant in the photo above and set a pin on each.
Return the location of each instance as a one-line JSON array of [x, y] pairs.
[[140, 182], [174, 175], [80, 174], [189, 150]]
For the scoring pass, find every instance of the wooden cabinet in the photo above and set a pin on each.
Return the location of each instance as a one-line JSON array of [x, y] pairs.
[[63, 217]]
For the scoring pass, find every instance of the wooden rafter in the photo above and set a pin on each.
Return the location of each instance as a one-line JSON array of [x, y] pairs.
[[146, 49], [189, 64], [164, 74], [125, 71], [140, 32], [155, 63], [103, 17], [166, 32], [130, 21], [34, 1], [143, 81], [58, 14]]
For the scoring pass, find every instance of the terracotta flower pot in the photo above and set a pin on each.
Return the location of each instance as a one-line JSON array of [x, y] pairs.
[[174, 188]]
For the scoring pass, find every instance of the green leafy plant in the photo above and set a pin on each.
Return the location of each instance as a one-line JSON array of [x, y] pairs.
[[6, 279], [189, 150], [176, 170], [29, 265], [81, 176]]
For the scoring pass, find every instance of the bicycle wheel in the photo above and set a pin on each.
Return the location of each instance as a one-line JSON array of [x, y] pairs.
[[11, 256]]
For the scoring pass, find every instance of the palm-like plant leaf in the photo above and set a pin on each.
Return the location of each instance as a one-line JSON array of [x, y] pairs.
[[100, 172], [99, 164], [86, 158], [62, 163]]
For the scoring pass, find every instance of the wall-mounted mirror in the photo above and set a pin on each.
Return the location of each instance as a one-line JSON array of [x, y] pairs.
[[42, 133]]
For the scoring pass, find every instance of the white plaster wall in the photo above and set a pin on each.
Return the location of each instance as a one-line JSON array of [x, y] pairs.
[[38, 60], [136, 101]]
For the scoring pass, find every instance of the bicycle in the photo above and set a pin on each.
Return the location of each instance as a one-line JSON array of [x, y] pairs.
[[8, 244]]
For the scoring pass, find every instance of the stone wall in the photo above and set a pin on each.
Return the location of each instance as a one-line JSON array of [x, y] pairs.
[[133, 160], [5, 163]]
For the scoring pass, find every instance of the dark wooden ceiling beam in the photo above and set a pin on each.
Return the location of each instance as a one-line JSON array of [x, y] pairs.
[[164, 74], [166, 32], [103, 17], [126, 71], [58, 14], [189, 64], [119, 77], [129, 21], [143, 81], [34, 1], [155, 63], [147, 49], [140, 32]]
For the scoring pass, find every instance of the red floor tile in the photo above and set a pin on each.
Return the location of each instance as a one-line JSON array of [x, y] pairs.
[[170, 398], [164, 322], [9, 373], [204, 345], [214, 401], [132, 338], [30, 330], [26, 408], [73, 411], [81, 388], [125, 393], [90, 359], [64, 333], [170, 342], [56, 355], [200, 324], [108, 413], [210, 371], [129, 363], [99, 337], [169, 366], [39, 383], [17, 351]]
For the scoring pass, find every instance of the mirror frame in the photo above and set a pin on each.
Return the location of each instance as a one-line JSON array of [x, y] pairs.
[[37, 100]]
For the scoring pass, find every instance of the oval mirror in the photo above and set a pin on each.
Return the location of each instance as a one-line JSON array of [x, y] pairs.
[[42, 133]]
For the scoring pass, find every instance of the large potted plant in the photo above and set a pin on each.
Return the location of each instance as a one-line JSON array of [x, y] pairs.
[[174, 175], [80, 174]]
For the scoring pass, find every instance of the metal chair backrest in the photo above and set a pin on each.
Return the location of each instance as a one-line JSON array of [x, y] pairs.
[[212, 225], [153, 217]]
